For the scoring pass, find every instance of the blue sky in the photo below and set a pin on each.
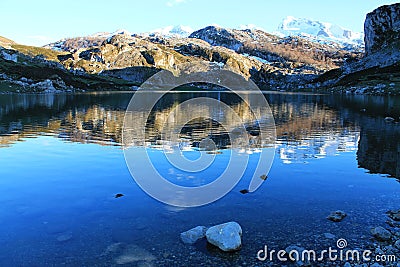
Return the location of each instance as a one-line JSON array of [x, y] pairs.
[[40, 22]]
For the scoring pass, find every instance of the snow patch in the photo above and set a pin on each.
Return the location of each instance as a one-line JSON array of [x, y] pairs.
[[179, 31]]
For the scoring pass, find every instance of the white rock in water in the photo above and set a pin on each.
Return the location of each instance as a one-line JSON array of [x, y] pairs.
[[194, 234], [381, 234], [226, 236]]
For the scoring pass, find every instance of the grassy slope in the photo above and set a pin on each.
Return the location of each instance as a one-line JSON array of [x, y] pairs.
[[37, 51], [39, 72], [4, 40]]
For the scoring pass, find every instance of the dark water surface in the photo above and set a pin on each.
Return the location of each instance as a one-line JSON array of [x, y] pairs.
[[61, 164]]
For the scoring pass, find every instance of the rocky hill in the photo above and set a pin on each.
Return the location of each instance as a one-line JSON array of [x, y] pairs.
[[271, 49], [122, 60], [272, 62], [35, 69]]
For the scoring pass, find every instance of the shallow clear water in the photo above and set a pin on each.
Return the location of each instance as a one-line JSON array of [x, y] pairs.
[[61, 165]]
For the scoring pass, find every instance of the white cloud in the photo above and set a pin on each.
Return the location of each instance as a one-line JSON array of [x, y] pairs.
[[172, 3]]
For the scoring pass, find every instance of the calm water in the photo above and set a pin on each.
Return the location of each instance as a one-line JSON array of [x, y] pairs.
[[62, 164]]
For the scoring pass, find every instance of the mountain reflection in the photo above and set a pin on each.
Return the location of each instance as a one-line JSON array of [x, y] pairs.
[[380, 153], [307, 126]]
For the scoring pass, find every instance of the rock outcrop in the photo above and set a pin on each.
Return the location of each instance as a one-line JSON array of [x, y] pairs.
[[382, 28], [377, 72]]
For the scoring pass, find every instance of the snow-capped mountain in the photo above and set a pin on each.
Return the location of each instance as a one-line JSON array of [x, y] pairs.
[[109, 34], [319, 31], [250, 27], [178, 31]]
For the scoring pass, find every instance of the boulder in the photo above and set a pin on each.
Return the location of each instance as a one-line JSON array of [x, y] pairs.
[[226, 236], [194, 234]]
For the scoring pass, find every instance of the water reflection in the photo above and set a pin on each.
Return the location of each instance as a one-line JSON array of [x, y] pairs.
[[380, 152], [307, 126]]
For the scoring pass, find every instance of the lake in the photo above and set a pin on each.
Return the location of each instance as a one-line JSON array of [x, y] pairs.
[[62, 164]]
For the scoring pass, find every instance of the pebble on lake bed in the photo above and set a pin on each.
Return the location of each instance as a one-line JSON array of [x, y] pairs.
[[381, 234], [135, 256], [336, 216], [397, 244], [329, 236], [64, 237], [226, 236], [394, 215]]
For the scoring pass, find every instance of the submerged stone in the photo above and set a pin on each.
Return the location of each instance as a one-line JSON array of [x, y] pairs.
[[134, 254], [337, 216], [394, 215], [397, 244], [329, 236], [64, 237], [381, 234]]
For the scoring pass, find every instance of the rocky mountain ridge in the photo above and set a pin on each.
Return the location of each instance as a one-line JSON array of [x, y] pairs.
[[269, 60], [273, 62]]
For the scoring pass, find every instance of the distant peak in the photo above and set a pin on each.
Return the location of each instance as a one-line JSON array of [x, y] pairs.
[[250, 27], [172, 31], [109, 34], [321, 31]]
